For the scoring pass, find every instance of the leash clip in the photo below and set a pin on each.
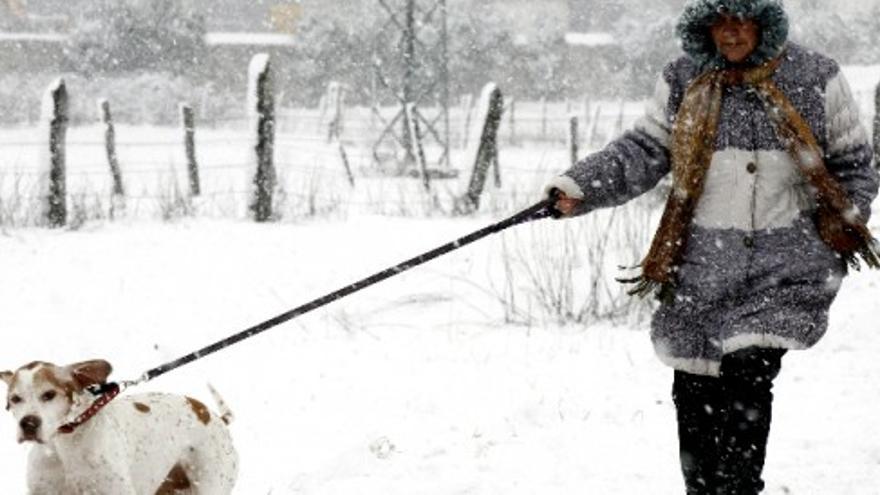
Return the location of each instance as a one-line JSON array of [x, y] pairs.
[[100, 389]]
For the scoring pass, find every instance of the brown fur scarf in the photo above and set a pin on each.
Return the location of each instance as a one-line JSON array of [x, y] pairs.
[[693, 144]]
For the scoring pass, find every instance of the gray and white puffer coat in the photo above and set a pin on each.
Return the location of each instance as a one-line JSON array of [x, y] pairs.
[[754, 271]]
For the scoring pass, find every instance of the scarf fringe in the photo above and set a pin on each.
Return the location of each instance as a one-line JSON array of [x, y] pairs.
[[663, 291], [869, 253]]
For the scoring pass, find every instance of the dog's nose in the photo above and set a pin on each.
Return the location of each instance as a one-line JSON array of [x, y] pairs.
[[30, 424]]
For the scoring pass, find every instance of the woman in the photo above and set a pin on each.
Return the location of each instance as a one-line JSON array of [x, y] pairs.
[[773, 179]]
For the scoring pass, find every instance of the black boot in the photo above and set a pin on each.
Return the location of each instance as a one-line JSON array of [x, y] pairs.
[[747, 379], [723, 423], [697, 401]]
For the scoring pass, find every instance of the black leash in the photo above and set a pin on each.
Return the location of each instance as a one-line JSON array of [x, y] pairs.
[[538, 211]]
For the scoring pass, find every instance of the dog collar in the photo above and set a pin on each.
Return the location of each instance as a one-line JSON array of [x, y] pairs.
[[107, 393]]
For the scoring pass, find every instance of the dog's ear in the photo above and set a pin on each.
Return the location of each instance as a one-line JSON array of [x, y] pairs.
[[6, 377], [94, 372]]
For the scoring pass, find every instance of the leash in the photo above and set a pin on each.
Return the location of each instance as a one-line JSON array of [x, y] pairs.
[[107, 392]]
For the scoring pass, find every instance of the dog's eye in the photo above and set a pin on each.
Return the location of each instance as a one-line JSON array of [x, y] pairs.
[[48, 395], [15, 399]]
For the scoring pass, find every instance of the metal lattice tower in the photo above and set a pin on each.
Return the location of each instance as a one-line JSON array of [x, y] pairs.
[[410, 66]]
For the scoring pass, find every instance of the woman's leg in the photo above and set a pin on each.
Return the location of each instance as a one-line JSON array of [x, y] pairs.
[[747, 379], [698, 404]]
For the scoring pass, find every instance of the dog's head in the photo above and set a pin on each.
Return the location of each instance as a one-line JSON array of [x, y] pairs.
[[40, 395]]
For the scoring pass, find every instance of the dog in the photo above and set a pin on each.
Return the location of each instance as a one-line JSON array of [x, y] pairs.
[[145, 444]]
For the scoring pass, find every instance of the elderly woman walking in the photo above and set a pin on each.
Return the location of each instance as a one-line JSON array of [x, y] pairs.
[[772, 184]]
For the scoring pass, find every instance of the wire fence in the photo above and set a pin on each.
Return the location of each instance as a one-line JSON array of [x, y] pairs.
[[317, 157]]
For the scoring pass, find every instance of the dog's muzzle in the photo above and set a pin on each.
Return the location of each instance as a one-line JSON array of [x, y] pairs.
[[30, 426]]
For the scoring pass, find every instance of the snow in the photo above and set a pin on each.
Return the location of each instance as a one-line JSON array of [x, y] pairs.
[[249, 39], [412, 386], [589, 39], [44, 37]]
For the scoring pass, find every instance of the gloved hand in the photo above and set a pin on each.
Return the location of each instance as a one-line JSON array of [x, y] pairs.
[[564, 205]]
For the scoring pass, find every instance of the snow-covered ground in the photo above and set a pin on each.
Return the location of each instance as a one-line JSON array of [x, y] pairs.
[[415, 386]]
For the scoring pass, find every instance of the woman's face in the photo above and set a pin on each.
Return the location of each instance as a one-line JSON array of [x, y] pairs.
[[735, 38]]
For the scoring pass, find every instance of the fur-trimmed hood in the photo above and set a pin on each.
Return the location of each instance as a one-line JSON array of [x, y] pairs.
[[699, 15]]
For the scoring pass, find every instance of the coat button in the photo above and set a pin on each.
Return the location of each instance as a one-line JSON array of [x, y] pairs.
[[751, 167], [749, 242]]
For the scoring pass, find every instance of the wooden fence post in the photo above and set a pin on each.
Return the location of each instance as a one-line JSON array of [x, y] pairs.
[[188, 124], [110, 145], [55, 206], [511, 119], [491, 109], [261, 105], [344, 156], [573, 139], [877, 126], [415, 142], [333, 110]]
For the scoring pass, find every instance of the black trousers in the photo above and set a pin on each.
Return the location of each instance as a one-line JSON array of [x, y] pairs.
[[724, 421]]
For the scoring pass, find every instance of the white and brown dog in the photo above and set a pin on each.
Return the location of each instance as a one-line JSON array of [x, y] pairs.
[[136, 445]]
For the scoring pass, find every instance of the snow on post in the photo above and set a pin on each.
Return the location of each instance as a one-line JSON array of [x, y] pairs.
[[188, 125], [110, 146], [54, 187], [261, 110], [415, 143], [485, 151]]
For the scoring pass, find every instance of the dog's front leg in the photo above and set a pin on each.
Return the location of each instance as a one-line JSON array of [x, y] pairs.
[[106, 481], [100, 471], [45, 473]]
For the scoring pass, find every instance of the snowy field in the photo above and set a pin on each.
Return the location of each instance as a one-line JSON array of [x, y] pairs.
[[421, 385], [415, 386]]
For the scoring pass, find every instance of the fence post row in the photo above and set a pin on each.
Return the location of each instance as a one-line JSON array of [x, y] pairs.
[[491, 108], [262, 107], [55, 206], [110, 146], [188, 123]]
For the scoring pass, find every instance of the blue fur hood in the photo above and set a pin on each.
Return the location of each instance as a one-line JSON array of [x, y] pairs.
[[699, 15]]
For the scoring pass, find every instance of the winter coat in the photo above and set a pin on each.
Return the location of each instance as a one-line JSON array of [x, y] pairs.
[[754, 271]]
